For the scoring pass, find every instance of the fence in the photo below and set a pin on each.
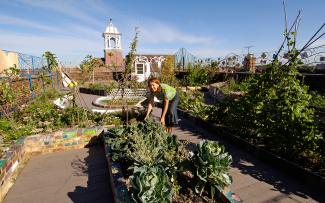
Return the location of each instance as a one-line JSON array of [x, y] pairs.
[[27, 64], [24, 89]]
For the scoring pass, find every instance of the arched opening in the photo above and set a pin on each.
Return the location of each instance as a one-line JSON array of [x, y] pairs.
[[112, 43]]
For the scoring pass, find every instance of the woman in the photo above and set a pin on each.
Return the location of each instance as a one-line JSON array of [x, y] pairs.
[[170, 99]]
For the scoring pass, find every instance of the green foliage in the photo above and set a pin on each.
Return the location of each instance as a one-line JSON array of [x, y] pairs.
[[156, 159], [88, 65], [233, 86], [41, 115], [276, 112], [317, 100], [212, 165], [12, 130], [167, 71], [151, 184], [51, 61], [7, 95], [193, 101], [130, 57], [196, 76], [277, 106], [72, 116], [145, 143], [12, 71], [306, 69]]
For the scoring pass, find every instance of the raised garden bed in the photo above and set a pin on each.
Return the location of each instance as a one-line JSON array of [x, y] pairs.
[[284, 165], [117, 102], [126, 180], [92, 91]]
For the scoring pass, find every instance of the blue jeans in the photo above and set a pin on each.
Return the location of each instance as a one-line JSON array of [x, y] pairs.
[[171, 117]]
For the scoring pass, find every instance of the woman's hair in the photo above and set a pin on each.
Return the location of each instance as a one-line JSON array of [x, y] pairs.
[[154, 80]]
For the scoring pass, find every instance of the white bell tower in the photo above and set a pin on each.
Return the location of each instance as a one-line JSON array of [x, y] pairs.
[[112, 45]]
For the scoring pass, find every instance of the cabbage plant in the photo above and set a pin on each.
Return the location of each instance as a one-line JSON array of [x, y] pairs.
[[212, 166], [150, 184]]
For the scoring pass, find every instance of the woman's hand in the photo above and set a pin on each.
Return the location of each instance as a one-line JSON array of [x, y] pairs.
[[149, 109], [162, 121]]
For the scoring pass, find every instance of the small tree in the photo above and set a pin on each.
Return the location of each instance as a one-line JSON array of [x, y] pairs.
[[130, 57], [51, 61], [167, 71], [88, 66]]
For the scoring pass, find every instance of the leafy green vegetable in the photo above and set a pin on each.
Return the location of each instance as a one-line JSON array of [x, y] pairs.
[[150, 184], [145, 143], [212, 165]]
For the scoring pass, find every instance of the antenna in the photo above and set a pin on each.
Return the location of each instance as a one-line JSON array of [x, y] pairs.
[[248, 47]]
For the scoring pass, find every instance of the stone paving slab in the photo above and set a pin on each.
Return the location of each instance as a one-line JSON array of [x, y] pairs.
[[253, 179], [70, 176]]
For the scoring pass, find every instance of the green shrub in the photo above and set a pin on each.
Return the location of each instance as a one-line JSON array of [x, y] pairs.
[[196, 76]]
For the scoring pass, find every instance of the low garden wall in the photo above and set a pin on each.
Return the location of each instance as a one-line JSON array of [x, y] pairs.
[[26, 147]]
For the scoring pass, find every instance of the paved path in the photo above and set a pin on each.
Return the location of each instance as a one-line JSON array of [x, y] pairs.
[[253, 180], [72, 176], [86, 100]]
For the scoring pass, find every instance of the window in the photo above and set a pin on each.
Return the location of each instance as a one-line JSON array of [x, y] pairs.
[[139, 68], [112, 43]]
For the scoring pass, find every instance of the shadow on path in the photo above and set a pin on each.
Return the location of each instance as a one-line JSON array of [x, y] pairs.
[[95, 167]]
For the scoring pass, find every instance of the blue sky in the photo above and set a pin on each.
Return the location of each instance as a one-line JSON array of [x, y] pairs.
[[207, 28]]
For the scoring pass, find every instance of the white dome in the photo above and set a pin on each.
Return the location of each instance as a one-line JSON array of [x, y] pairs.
[[111, 28]]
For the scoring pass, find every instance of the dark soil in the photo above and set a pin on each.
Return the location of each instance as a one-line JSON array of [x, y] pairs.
[[187, 192]]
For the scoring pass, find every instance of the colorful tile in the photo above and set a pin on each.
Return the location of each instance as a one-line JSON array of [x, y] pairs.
[[2, 162], [89, 131]]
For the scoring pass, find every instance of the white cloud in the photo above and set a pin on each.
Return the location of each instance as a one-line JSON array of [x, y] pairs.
[[158, 32], [156, 50], [69, 8], [212, 52], [10, 20], [68, 29], [63, 46]]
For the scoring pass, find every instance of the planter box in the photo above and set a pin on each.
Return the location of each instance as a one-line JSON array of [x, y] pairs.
[[284, 165], [119, 188], [92, 91]]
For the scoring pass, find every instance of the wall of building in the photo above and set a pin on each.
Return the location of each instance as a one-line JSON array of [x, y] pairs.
[[8, 59]]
